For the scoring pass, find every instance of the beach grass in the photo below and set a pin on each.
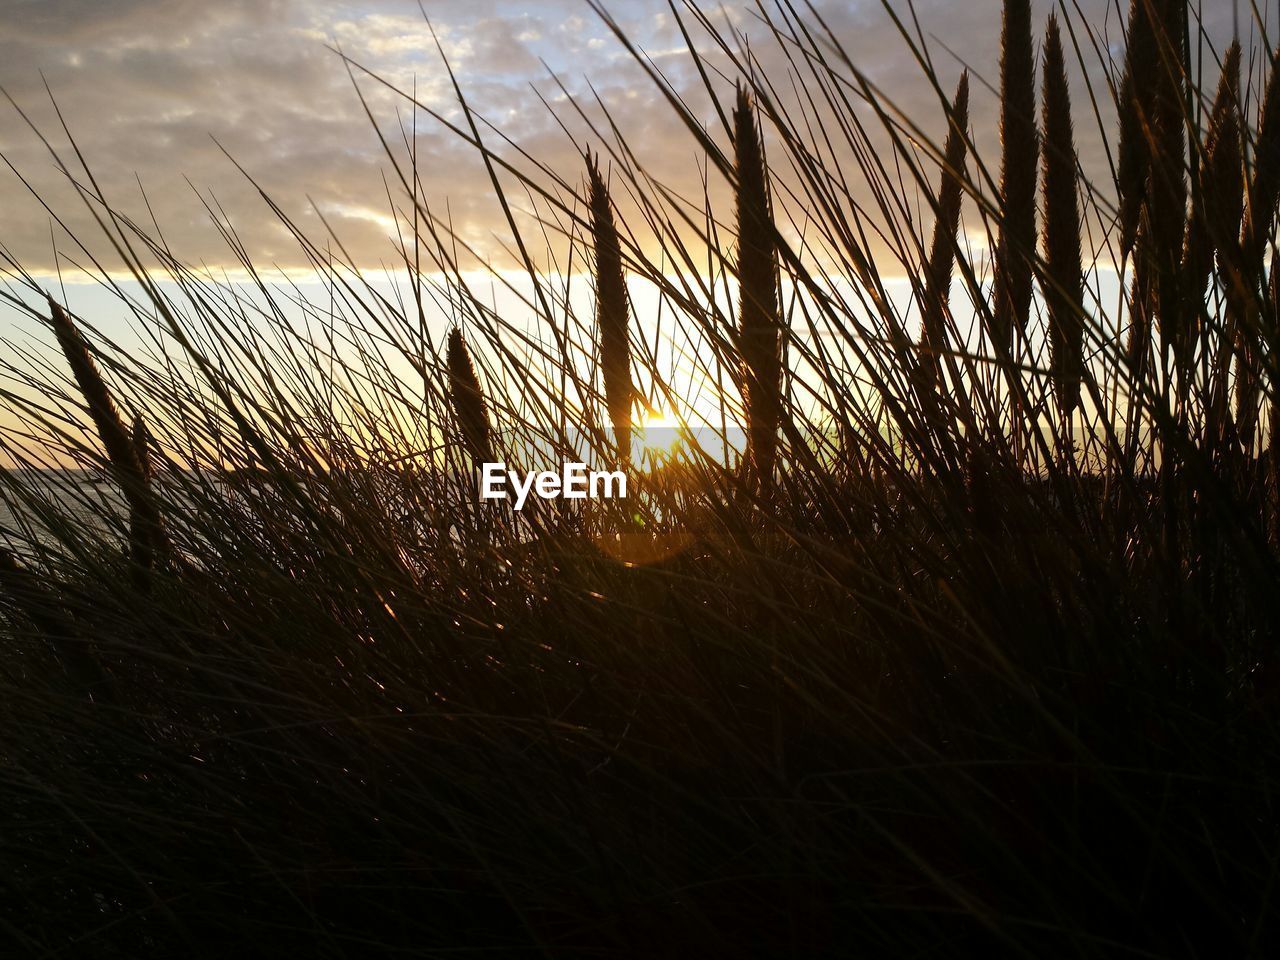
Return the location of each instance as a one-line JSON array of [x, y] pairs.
[[952, 634]]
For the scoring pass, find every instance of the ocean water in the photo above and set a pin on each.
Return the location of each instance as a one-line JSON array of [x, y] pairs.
[[56, 511], [48, 509]]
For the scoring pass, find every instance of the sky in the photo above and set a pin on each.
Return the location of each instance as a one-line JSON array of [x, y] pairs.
[[176, 104], [164, 99], [154, 92]]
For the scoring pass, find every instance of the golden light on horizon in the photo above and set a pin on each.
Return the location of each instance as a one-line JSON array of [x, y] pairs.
[[657, 437]]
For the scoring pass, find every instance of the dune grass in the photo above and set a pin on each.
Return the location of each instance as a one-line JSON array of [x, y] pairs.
[[967, 648]]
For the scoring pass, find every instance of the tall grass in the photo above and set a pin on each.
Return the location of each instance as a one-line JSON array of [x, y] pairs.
[[612, 312], [759, 323], [967, 649], [942, 247], [1020, 152], [1063, 279], [125, 449], [467, 397]]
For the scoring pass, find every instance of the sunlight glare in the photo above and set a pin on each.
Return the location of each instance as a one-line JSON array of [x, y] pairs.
[[657, 437]]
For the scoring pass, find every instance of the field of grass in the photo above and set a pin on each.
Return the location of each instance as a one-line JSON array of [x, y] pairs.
[[953, 634]]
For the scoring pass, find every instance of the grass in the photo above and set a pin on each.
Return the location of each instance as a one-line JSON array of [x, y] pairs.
[[966, 649]]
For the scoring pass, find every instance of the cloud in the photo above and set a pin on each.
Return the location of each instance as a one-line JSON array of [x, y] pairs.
[[156, 90]]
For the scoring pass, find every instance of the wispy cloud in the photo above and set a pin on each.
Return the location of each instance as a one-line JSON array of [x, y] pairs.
[[154, 90]]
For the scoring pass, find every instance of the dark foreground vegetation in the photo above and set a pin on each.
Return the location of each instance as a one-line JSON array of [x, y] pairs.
[[969, 650]]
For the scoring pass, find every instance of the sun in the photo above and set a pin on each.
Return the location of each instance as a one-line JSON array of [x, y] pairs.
[[658, 437]]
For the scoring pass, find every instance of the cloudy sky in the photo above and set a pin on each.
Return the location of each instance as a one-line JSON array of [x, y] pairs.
[[151, 88]]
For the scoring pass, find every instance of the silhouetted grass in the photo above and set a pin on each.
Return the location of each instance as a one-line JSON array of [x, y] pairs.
[[974, 655]]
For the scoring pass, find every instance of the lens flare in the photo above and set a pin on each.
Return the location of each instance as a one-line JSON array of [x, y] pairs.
[[658, 437]]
